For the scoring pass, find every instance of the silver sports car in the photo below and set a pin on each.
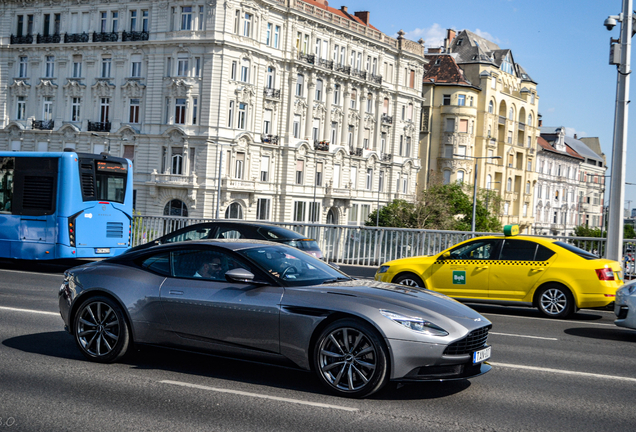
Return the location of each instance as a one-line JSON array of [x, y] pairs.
[[276, 303]]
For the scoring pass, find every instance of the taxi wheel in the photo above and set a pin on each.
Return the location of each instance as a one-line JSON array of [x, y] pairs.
[[555, 301], [409, 279]]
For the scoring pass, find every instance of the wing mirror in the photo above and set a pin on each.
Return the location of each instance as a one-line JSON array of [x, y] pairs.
[[239, 275], [445, 256]]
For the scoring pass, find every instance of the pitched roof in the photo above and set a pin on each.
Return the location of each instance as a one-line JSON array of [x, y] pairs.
[[442, 69], [324, 4], [545, 145]]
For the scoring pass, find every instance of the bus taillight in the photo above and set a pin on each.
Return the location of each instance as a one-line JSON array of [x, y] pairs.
[[71, 229]]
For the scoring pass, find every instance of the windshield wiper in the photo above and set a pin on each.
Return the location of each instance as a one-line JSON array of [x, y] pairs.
[[336, 280]]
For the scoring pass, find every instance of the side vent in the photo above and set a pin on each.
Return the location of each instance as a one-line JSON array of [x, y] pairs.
[[88, 184], [114, 230], [38, 193]]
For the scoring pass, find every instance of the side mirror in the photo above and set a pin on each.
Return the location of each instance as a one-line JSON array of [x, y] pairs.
[[239, 275], [445, 255], [334, 265]]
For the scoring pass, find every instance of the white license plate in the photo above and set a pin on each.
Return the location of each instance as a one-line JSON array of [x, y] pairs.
[[102, 250], [481, 355]]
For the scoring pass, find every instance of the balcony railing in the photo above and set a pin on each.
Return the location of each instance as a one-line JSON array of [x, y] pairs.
[[98, 126], [376, 78], [135, 36], [325, 63], [386, 157], [42, 124], [54, 38], [27, 39], [522, 126], [309, 58], [387, 119], [356, 151], [76, 37], [344, 69], [321, 145], [359, 73], [502, 120], [270, 139], [105, 37], [271, 93]]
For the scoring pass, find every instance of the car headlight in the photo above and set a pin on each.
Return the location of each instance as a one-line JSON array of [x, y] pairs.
[[414, 323], [383, 269], [628, 289]]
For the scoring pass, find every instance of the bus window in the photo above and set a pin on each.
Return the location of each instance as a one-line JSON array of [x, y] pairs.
[[6, 183]]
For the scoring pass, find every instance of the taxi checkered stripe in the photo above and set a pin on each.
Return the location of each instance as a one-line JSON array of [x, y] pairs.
[[493, 262]]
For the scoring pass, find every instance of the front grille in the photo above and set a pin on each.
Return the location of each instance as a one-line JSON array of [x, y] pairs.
[[114, 229], [472, 342]]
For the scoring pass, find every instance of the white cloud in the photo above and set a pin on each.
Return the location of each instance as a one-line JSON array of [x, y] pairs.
[[433, 36], [487, 36], [570, 131]]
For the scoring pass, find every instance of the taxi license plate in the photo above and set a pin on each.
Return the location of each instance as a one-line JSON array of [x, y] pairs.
[[481, 355], [102, 250]]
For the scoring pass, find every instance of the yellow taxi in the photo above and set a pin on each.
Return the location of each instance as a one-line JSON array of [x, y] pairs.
[[553, 276]]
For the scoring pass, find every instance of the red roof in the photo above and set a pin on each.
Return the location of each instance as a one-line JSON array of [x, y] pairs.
[[442, 69], [546, 145], [324, 4]]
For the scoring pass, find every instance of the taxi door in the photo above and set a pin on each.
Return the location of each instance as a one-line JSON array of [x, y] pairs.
[[463, 272], [519, 267]]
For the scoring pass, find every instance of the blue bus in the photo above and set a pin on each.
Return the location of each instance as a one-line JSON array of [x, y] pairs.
[[64, 205]]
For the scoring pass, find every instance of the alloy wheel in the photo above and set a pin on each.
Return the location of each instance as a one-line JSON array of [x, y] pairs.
[[98, 329]]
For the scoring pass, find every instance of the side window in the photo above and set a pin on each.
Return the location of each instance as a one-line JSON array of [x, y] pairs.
[[543, 253], [157, 264], [195, 234], [204, 264], [229, 233], [480, 249], [518, 250]]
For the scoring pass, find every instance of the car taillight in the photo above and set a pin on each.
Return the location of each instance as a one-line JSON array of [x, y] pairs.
[[605, 274]]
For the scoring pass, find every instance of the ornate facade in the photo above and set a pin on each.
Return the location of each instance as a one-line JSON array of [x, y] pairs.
[[307, 113]]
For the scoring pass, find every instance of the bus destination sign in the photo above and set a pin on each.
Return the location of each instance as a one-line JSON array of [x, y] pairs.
[[111, 167]]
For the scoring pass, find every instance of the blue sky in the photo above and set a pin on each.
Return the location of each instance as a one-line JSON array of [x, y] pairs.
[[562, 44]]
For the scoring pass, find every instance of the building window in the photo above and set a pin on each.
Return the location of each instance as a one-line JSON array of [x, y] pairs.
[[493, 83], [245, 70], [262, 209], [77, 67], [23, 67], [447, 175], [104, 110], [50, 67], [267, 122], [300, 82], [354, 96], [314, 212], [234, 211], [270, 79], [134, 111], [135, 66], [461, 100], [450, 125], [334, 132], [133, 20], [106, 63], [177, 161], [369, 103], [296, 126], [527, 188], [47, 108], [336, 94], [319, 166], [276, 36], [506, 207], [230, 116], [509, 185], [114, 20], [264, 168], [460, 176], [182, 65], [407, 150], [239, 166], [144, 20], [299, 211], [180, 111], [319, 90], [175, 208], [21, 112], [197, 66], [195, 110], [186, 18], [369, 179], [247, 25], [447, 99], [268, 34], [463, 125], [353, 215], [242, 116], [300, 167], [491, 107]]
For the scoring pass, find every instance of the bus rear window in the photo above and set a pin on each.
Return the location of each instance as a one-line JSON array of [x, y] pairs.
[[580, 252], [110, 187], [103, 180]]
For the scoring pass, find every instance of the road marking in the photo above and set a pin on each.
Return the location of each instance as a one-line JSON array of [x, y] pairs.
[[29, 311], [562, 372], [521, 336], [33, 273], [551, 320], [257, 395]]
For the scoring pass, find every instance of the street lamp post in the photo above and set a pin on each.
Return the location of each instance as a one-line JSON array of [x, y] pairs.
[[108, 139], [472, 225]]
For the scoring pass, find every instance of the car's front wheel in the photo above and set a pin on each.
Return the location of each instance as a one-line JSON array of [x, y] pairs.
[[409, 279], [555, 301], [100, 330], [350, 358]]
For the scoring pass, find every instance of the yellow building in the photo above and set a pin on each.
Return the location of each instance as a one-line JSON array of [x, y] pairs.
[[481, 108]]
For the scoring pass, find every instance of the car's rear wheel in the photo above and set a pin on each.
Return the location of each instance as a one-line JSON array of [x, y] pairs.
[[350, 358], [409, 279], [555, 301], [101, 330]]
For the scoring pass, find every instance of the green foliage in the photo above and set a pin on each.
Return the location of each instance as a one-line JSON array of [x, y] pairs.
[[441, 207], [583, 231]]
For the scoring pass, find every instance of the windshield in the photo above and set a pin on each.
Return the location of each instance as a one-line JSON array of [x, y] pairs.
[[110, 187], [293, 267], [580, 252]]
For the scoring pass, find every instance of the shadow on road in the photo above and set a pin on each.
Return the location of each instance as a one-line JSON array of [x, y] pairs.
[[52, 266], [60, 344], [614, 334], [581, 315]]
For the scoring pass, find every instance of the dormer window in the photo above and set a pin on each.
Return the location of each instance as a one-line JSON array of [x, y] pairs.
[[459, 41], [438, 62]]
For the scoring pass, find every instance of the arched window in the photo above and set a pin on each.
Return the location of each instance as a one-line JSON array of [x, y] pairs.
[[527, 188], [488, 181], [460, 176], [511, 114], [234, 211], [177, 164], [491, 107], [509, 184], [529, 119], [175, 208]]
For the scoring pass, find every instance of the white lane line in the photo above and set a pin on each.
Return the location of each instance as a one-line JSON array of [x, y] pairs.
[[33, 273], [551, 320], [521, 336], [29, 311], [257, 395], [562, 372]]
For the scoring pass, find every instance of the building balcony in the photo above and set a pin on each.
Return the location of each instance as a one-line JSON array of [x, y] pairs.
[[238, 185], [173, 179], [359, 73], [328, 64], [332, 192], [135, 36], [502, 120], [271, 93], [27, 39], [386, 157], [76, 37], [309, 58], [269, 139], [105, 37], [98, 126], [343, 69], [42, 124], [522, 126], [356, 151], [387, 119], [375, 78], [54, 38], [321, 145]]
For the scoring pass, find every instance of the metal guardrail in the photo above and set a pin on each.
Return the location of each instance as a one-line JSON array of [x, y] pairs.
[[369, 246]]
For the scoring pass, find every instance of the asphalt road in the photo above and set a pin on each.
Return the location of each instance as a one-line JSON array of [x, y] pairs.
[[548, 375]]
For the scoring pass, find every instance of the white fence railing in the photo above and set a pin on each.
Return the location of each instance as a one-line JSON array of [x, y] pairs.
[[362, 245]]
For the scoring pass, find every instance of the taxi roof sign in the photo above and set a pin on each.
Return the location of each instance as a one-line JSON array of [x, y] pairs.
[[511, 230]]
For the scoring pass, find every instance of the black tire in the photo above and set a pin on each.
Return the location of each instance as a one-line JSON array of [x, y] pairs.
[[100, 330], [350, 358], [409, 279], [555, 301]]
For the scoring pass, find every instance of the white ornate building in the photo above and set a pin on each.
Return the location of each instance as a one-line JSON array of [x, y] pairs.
[[308, 112]]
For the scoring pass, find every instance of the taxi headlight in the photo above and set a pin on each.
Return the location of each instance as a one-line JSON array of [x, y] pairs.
[[414, 323], [383, 269]]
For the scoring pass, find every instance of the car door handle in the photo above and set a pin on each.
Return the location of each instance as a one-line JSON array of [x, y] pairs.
[[537, 269], [175, 292], [482, 267]]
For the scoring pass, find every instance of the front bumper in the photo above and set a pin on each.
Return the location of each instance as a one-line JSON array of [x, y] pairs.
[[624, 309]]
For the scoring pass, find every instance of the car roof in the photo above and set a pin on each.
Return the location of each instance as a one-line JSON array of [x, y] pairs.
[[230, 244], [248, 224]]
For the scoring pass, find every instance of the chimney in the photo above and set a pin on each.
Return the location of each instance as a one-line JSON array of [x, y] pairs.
[[450, 35], [575, 137], [364, 17], [344, 9], [540, 122]]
